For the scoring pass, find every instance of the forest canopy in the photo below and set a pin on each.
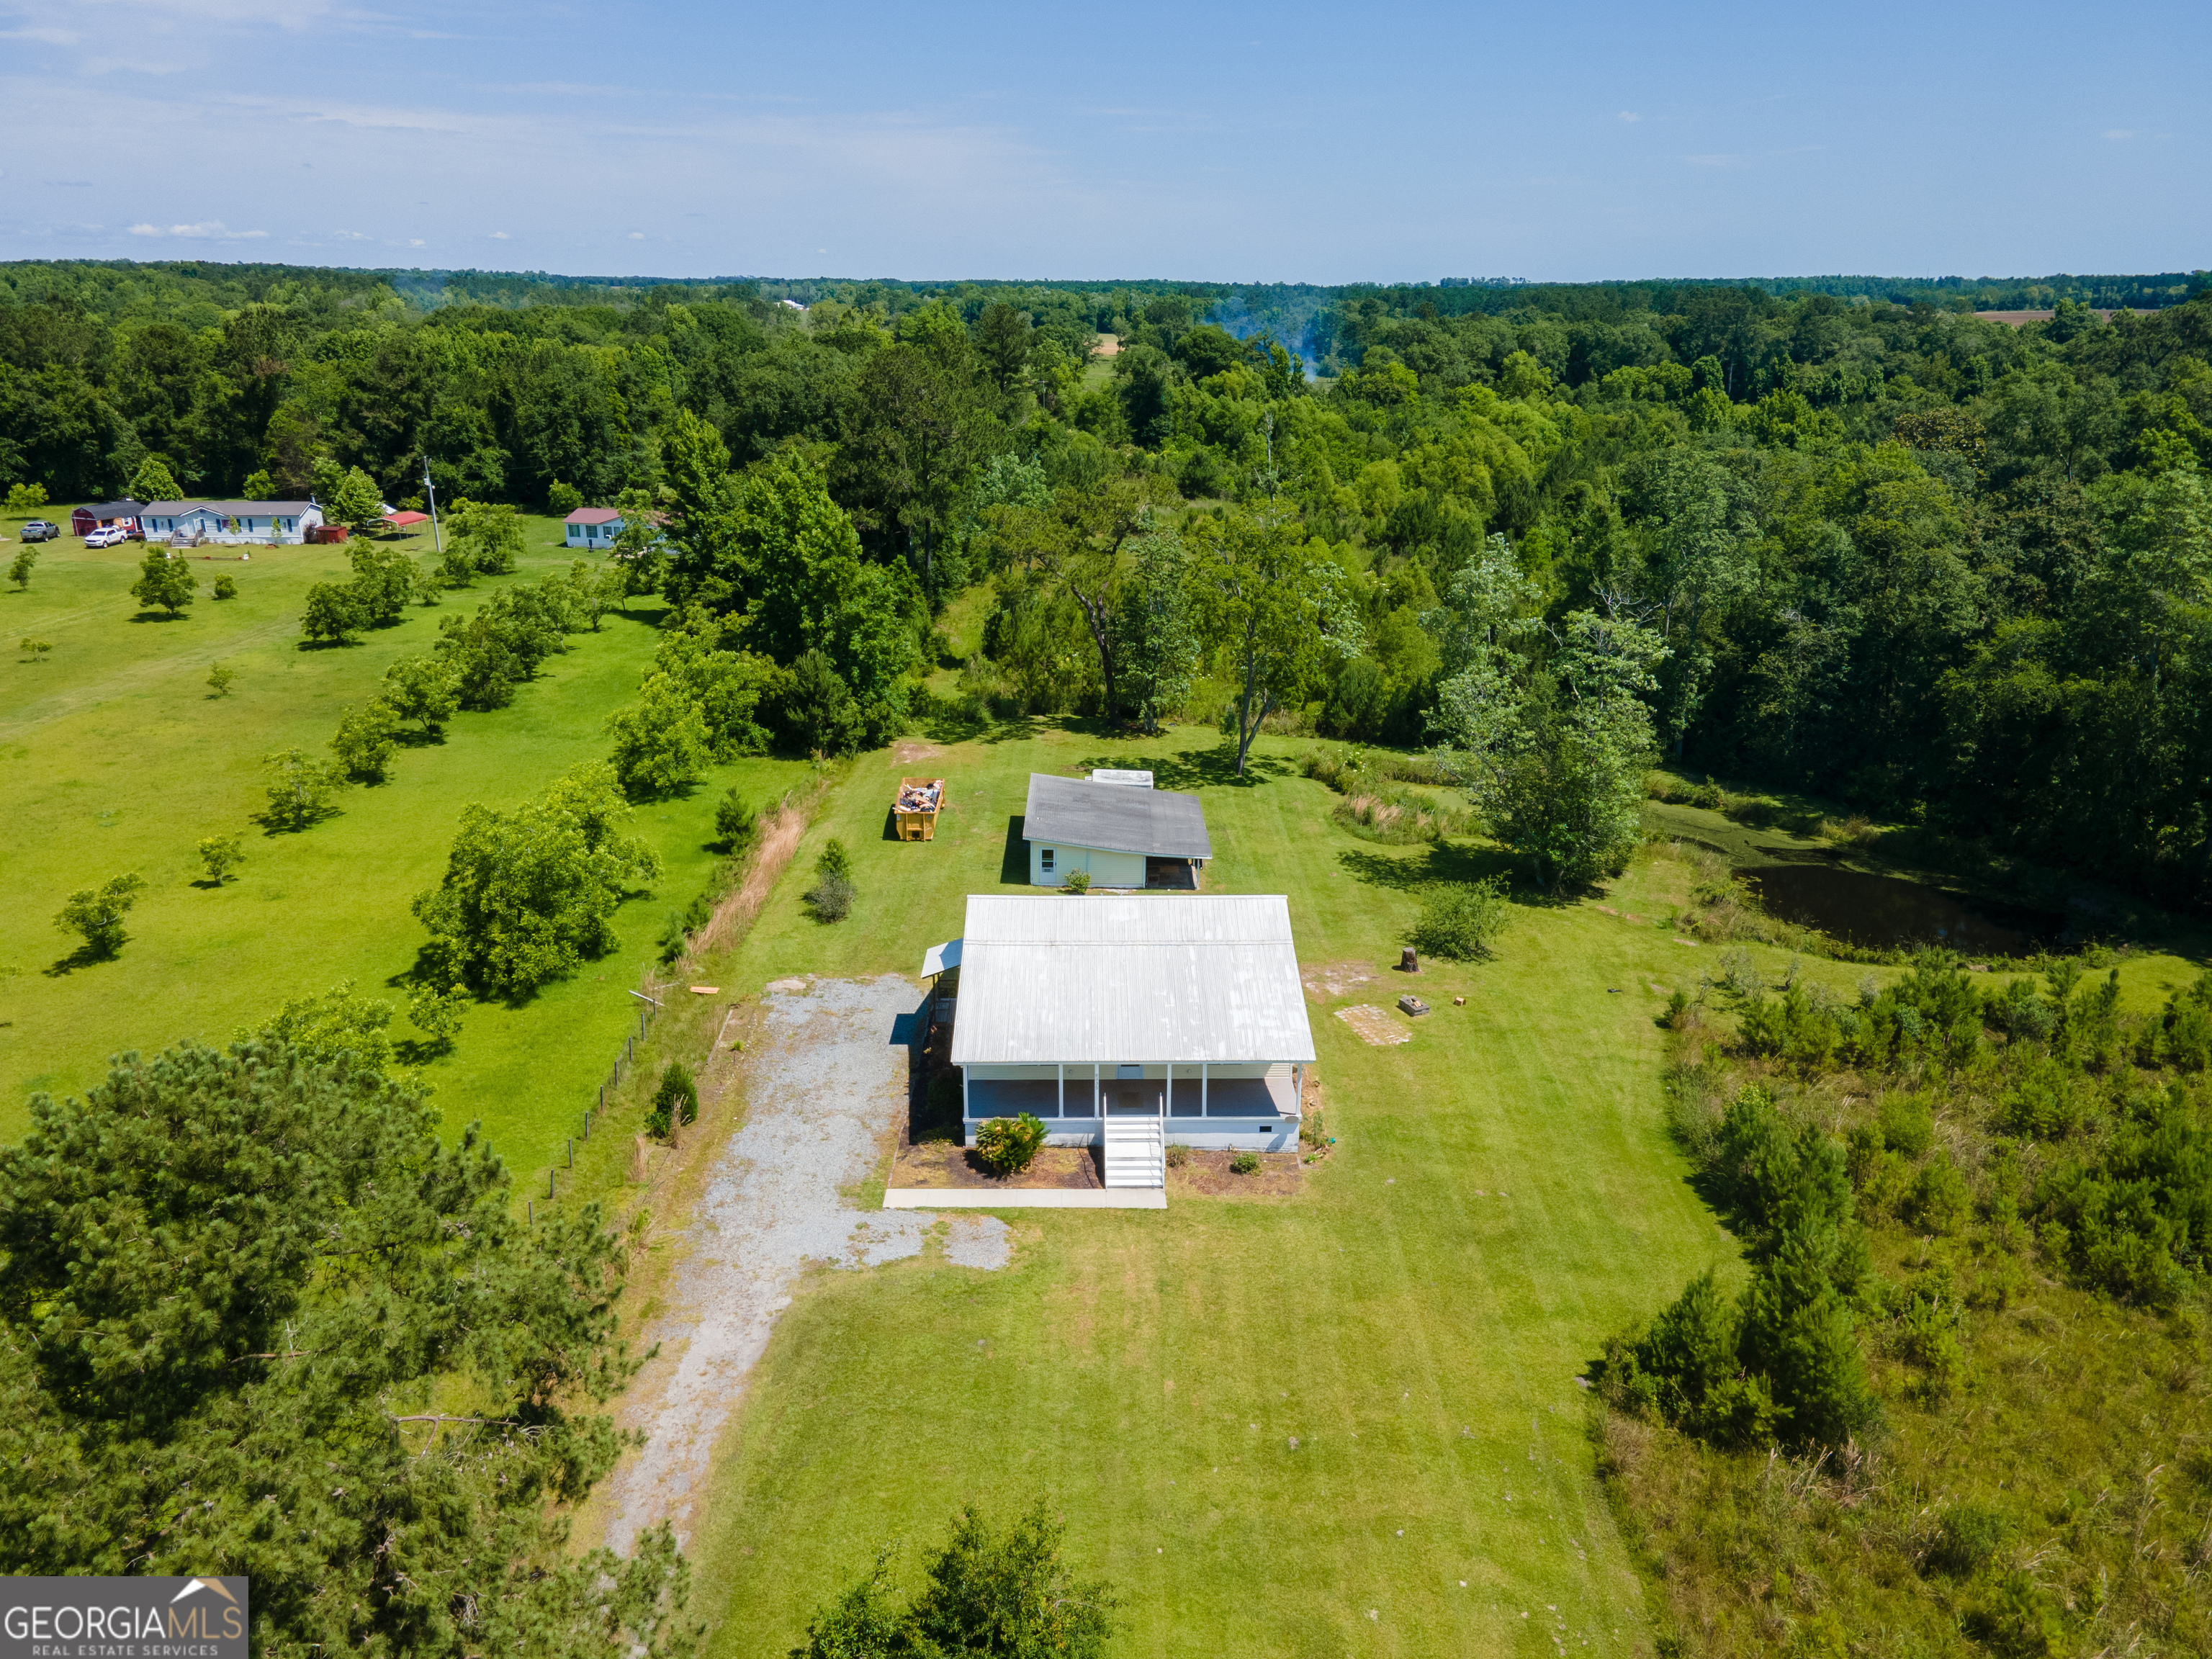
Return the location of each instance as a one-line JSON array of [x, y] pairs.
[[1856, 538]]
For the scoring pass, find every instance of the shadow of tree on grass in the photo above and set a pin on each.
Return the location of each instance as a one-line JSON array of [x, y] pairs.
[[1447, 861], [1213, 768]]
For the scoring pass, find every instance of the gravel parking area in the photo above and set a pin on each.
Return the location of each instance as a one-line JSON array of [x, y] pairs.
[[826, 1081]]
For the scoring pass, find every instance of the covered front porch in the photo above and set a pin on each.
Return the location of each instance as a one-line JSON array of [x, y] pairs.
[[1209, 1105]]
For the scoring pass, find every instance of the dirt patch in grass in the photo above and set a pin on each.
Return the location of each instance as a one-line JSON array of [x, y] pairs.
[[910, 749], [1326, 982], [1207, 1174], [1375, 1025], [942, 1163]]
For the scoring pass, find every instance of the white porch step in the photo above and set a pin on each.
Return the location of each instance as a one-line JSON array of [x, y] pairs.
[[1136, 1152]]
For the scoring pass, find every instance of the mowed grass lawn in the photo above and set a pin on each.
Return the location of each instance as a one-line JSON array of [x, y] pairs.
[[1503, 1195], [119, 758]]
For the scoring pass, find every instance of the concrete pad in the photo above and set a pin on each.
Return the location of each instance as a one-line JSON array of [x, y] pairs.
[[972, 1198]]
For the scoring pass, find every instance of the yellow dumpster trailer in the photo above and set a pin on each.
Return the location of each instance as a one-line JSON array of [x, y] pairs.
[[920, 801]]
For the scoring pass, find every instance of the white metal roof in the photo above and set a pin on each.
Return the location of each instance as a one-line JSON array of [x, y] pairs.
[[1077, 813], [939, 958], [1129, 981], [1134, 779]]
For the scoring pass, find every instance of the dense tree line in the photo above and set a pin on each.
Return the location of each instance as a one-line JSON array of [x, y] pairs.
[[1938, 567]]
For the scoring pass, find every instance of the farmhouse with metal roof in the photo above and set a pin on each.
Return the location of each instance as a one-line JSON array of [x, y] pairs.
[[1120, 834], [1131, 1022]]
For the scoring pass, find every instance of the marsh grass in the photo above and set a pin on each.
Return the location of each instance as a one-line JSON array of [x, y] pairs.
[[2038, 1482], [1377, 808]]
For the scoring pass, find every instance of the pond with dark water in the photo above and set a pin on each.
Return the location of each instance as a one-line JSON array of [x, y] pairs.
[[1888, 911]]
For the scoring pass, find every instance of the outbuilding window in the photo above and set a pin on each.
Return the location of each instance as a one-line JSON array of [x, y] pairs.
[[1044, 860]]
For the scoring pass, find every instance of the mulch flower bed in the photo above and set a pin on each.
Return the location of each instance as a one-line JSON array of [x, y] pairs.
[[1208, 1172], [945, 1163]]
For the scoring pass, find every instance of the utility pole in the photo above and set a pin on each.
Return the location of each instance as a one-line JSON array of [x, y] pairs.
[[437, 540]]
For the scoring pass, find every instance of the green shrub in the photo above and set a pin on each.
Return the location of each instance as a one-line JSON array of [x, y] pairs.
[[674, 1100], [733, 820], [1178, 1155], [1007, 1145], [1245, 1163], [832, 898], [1967, 1539], [833, 892], [1459, 919], [1077, 882], [1940, 1201], [1907, 1123], [226, 587]]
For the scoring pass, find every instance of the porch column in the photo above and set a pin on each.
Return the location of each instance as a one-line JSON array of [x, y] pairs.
[[1201, 1088], [1097, 1103], [1063, 1069], [1168, 1111], [964, 1112], [1298, 1089]]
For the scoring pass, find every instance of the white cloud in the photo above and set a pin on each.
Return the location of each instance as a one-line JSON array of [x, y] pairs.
[[415, 241], [212, 230], [1630, 115], [2120, 132], [290, 14], [637, 236], [500, 236], [351, 236], [49, 37]]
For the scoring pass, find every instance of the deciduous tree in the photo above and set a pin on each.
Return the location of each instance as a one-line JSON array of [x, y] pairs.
[[221, 855], [364, 740], [529, 895], [163, 581], [96, 914], [1274, 613], [299, 788]]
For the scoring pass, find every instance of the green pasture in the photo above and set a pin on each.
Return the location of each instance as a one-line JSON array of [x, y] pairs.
[[1502, 1196], [117, 757]]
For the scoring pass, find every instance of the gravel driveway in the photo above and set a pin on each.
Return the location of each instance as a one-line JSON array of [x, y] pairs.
[[827, 1082]]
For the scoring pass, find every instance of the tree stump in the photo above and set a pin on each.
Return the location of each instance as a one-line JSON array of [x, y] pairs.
[[1407, 962]]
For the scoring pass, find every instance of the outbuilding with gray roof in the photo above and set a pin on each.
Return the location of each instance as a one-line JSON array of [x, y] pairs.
[[1119, 836]]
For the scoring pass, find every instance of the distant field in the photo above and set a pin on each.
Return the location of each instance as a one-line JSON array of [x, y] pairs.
[[118, 758]]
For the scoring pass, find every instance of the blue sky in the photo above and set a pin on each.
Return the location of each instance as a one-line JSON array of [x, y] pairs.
[[1226, 142]]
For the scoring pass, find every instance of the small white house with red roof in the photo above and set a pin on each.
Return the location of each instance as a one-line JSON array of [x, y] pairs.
[[593, 526]]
